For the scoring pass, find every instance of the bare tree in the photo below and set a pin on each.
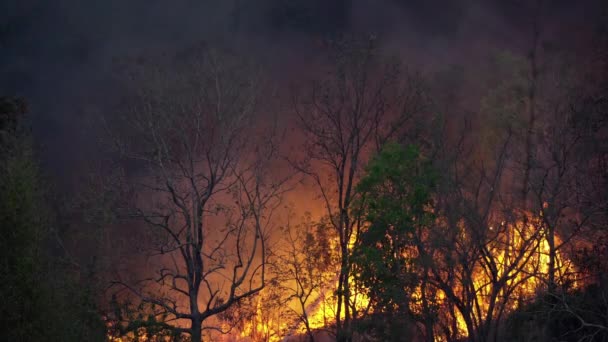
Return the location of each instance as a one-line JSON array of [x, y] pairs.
[[482, 254], [363, 102], [200, 184], [303, 270]]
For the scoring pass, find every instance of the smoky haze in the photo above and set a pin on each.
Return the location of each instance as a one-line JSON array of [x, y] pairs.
[[61, 55], [292, 108]]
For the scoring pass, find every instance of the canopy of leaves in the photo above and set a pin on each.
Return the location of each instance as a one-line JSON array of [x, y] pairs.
[[43, 297], [396, 200]]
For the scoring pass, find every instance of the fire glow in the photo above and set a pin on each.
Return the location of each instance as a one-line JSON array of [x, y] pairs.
[[524, 281]]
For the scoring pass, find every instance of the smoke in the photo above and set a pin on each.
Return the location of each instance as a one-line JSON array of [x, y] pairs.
[[61, 55]]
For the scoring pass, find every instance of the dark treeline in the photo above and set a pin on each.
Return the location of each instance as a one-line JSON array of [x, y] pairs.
[[47, 295], [368, 201]]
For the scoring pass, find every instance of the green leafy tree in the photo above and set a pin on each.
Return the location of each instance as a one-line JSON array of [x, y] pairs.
[[44, 298], [396, 199], [362, 101]]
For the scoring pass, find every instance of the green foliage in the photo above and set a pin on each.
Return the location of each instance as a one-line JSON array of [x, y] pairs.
[[42, 298], [20, 243], [396, 200]]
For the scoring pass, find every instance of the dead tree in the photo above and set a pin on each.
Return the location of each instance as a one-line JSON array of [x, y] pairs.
[[481, 251], [200, 184], [303, 270], [362, 102]]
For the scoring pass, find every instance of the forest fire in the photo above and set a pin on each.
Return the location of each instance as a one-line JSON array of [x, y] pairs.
[[520, 251], [306, 170]]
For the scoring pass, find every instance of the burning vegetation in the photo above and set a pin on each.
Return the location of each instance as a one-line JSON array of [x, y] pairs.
[[385, 208], [419, 236], [521, 257]]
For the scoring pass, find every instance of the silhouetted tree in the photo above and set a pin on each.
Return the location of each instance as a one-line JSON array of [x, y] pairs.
[[362, 102], [46, 296], [209, 200]]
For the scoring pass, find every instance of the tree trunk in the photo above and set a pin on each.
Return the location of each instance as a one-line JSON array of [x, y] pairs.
[[343, 328], [196, 329], [345, 334], [552, 256], [428, 319], [339, 330]]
